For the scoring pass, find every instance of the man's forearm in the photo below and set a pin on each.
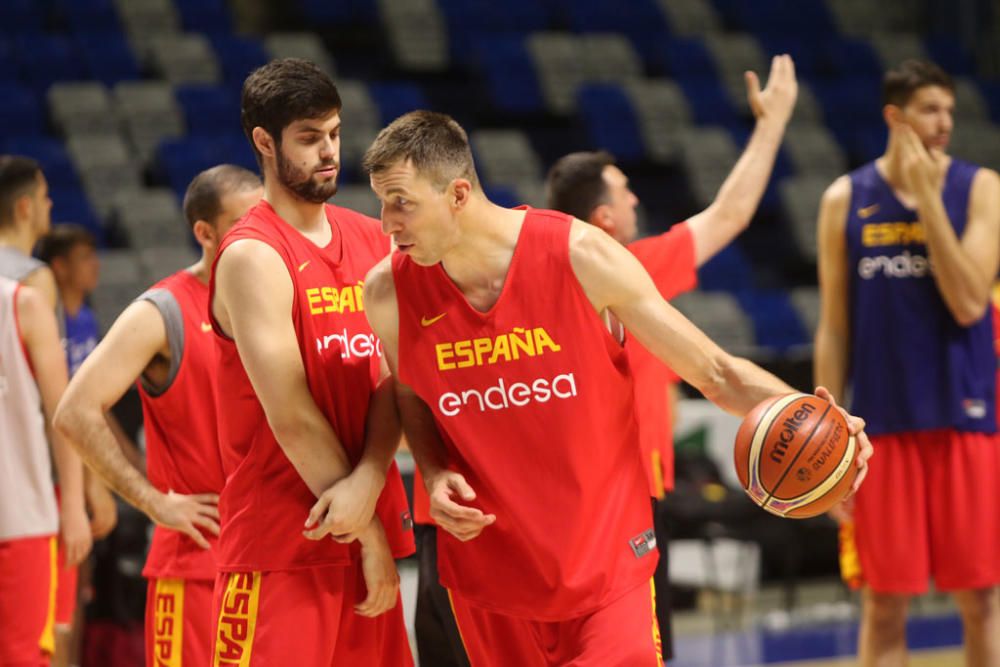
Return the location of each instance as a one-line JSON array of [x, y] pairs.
[[830, 362], [313, 449], [422, 436], [744, 385], [383, 433], [963, 288], [90, 434], [743, 188]]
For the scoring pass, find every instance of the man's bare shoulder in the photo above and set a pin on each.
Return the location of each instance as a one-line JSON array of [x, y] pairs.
[[589, 245], [44, 281], [838, 193], [251, 255], [987, 179]]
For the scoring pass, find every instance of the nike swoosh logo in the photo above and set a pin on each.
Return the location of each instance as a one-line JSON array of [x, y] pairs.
[[868, 211], [304, 264], [206, 327], [427, 321]]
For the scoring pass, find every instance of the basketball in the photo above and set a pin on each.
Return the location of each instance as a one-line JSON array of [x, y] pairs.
[[795, 455]]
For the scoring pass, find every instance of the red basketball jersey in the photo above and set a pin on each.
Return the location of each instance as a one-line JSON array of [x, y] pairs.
[[182, 450], [669, 258], [265, 503], [534, 402]]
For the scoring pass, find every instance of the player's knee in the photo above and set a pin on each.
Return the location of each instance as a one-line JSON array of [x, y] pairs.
[[887, 610], [978, 606]]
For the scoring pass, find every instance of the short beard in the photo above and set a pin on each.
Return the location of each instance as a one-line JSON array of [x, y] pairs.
[[305, 188]]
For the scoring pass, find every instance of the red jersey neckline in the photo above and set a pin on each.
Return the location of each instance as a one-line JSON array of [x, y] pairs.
[[514, 261], [335, 235]]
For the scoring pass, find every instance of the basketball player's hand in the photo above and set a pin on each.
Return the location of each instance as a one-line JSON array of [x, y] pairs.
[[379, 570], [462, 521], [102, 507], [923, 170], [74, 529], [188, 514], [776, 102], [842, 512], [857, 428], [345, 508]]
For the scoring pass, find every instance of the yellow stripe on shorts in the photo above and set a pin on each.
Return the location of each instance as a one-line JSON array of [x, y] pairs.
[[47, 640], [237, 620], [168, 622], [451, 603], [657, 639]]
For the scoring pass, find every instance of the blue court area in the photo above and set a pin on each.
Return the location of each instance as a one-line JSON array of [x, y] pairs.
[[831, 643]]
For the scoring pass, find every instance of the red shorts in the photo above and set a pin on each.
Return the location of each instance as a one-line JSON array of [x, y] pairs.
[[304, 618], [27, 601], [930, 507], [622, 634], [66, 590], [179, 617]]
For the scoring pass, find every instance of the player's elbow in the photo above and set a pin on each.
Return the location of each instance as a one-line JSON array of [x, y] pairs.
[[66, 417], [970, 311]]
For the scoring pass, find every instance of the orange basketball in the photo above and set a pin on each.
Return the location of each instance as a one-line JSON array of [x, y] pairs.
[[795, 455]]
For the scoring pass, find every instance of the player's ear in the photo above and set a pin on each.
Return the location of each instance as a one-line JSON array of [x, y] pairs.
[[264, 142], [459, 193], [601, 217], [205, 233], [892, 115]]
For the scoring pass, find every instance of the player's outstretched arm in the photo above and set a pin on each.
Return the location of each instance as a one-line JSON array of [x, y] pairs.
[[733, 208], [40, 334], [132, 343], [830, 358], [444, 487], [964, 268], [614, 280]]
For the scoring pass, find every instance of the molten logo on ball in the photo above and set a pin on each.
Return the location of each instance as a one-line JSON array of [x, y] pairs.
[[789, 428]]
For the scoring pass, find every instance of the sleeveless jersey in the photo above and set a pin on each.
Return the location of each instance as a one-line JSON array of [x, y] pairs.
[[27, 498], [534, 402], [265, 503], [912, 367], [182, 451], [81, 337]]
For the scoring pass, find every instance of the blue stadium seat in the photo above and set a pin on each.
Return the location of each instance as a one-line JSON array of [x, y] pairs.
[[777, 17], [709, 102], [610, 121], [501, 196], [238, 56], [207, 16], [59, 171], [72, 205], [729, 270], [685, 58], [87, 15], [846, 57], [21, 17], [634, 17], [802, 50], [395, 99], [991, 91], [951, 54], [775, 323], [180, 160], [510, 74], [209, 110], [21, 113], [108, 57], [45, 59], [341, 12]]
